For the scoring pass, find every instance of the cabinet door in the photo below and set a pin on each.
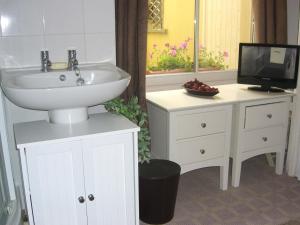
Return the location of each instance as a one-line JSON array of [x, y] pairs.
[[56, 182], [109, 178]]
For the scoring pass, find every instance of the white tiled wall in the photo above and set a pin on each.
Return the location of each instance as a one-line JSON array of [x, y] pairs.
[[27, 26]]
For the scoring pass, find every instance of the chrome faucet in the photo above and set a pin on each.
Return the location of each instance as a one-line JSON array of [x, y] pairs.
[[80, 81], [72, 61], [45, 62]]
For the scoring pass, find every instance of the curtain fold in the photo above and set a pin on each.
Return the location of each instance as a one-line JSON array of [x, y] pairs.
[[270, 21], [131, 44]]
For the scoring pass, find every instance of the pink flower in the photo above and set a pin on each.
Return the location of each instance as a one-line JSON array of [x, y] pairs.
[[167, 45], [173, 52], [226, 54], [183, 45], [174, 47]]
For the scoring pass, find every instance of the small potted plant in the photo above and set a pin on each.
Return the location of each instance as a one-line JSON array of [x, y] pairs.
[[133, 111]]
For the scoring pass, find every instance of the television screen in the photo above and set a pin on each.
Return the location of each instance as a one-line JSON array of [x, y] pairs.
[[268, 65]]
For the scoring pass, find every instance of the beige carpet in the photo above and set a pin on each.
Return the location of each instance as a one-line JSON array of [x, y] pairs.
[[263, 198], [292, 222]]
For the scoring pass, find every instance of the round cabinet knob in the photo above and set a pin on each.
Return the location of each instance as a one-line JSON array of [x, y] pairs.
[[269, 116], [62, 77], [81, 199], [91, 197], [202, 151], [265, 139], [203, 125]]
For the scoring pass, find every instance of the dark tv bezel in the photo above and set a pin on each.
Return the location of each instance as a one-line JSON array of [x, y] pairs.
[[267, 81]]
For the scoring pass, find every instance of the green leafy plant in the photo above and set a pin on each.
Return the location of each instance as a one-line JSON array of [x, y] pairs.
[[209, 59], [133, 111], [170, 57]]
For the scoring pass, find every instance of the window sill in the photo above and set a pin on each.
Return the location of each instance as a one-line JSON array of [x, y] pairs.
[[161, 82], [158, 31]]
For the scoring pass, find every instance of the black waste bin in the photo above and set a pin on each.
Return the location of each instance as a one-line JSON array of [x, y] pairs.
[[158, 184]]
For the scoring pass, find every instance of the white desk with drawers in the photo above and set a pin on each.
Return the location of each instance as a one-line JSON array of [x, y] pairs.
[[199, 132]]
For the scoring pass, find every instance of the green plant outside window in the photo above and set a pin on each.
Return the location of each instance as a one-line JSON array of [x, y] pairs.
[[171, 57]]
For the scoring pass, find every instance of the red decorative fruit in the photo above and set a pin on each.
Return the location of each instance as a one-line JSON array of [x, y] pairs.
[[198, 87]]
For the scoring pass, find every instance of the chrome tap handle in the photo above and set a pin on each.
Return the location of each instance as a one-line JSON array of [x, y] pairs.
[[44, 55], [75, 63], [72, 61], [49, 63], [72, 54], [45, 62]]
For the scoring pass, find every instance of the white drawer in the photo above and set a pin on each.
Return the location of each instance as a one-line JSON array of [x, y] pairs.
[[194, 125], [200, 149], [263, 138], [265, 115]]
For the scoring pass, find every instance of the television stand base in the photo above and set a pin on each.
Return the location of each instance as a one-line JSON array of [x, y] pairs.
[[265, 89]]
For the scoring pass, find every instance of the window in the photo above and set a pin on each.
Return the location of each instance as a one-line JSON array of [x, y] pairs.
[[200, 35], [155, 16], [172, 50]]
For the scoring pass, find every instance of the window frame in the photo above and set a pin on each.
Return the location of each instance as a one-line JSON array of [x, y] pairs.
[[164, 82]]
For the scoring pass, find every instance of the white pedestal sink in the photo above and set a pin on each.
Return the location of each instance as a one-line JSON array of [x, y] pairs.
[[60, 94], [69, 116]]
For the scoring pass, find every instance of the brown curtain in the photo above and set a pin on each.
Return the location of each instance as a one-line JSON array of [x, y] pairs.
[[131, 41], [270, 21]]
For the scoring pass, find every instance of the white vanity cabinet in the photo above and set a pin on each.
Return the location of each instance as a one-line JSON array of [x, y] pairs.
[[83, 174], [56, 181]]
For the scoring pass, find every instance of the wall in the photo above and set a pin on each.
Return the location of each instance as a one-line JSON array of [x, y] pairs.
[[293, 157], [293, 21], [27, 26], [4, 196]]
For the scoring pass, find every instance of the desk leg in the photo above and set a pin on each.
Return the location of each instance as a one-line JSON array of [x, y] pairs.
[[236, 172], [279, 162], [270, 160], [224, 175]]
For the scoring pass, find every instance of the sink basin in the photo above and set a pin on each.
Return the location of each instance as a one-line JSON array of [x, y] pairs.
[[59, 91]]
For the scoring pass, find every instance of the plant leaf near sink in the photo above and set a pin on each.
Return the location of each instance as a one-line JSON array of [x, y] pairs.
[[133, 111]]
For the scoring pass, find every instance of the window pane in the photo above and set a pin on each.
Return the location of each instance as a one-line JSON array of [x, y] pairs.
[[170, 47], [222, 26]]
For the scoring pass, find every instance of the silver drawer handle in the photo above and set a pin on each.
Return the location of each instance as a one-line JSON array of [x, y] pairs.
[[203, 125], [202, 151], [269, 116], [265, 139]]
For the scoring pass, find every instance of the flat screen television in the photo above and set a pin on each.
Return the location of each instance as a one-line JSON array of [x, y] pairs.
[[268, 65]]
